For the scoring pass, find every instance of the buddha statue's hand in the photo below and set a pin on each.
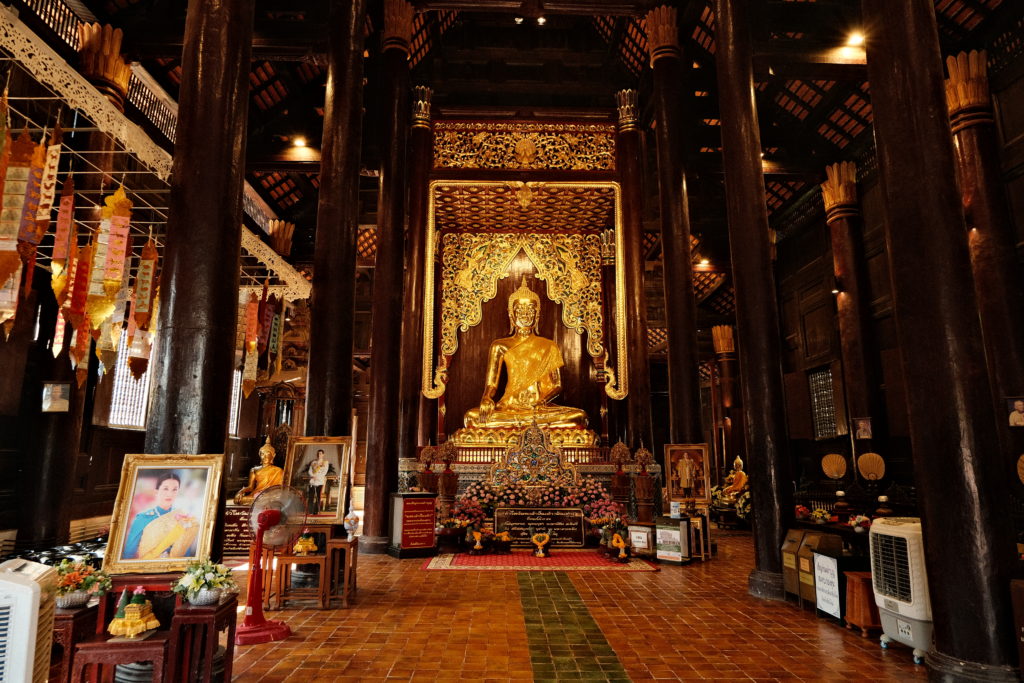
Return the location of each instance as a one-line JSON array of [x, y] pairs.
[[486, 408]]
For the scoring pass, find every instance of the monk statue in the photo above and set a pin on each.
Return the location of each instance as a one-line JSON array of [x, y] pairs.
[[739, 480], [262, 476], [531, 366]]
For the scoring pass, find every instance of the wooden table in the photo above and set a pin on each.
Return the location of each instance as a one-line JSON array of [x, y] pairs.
[[100, 651], [861, 610], [343, 554], [195, 633], [283, 579], [71, 626]]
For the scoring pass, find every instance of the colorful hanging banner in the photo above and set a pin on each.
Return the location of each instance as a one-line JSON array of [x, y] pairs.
[[64, 236], [58, 336], [109, 245], [28, 230], [67, 281], [249, 374], [266, 314], [16, 182], [121, 300], [9, 300], [252, 324], [145, 278], [77, 314]]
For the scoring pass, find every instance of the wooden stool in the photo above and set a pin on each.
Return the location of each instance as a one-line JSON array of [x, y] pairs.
[[71, 626], [197, 630], [861, 610], [283, 579], [343, 554], [99, 650]]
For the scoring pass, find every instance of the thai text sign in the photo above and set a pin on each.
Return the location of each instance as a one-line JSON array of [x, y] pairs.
[[564, 525]]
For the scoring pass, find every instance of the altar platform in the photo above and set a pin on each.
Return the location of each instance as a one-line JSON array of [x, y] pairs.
[[682, 623]]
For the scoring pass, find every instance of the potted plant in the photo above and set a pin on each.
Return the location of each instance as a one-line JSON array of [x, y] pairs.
[[820, 516], [203, 582], [860, 523], [77, 582], [802, 512]]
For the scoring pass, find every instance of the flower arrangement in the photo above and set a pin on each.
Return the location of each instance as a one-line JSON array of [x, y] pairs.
[[427, 456], [78, 576], [820, 515], [860, 522], [584, 493], [743, 505], [602, 511], [203, 575], [452, 523], [469, 511], [802, 512]]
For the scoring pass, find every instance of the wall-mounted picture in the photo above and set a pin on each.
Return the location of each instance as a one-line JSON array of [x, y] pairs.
[[164, 513], [862, 427], [1015, 406], [687, 473], [56, 397], [319, 467]]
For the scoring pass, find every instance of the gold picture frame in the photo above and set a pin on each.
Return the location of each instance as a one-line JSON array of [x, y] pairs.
[[145, 537], [327, 502], [686, 473]]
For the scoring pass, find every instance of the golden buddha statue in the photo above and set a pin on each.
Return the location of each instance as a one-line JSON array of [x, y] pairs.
[[738, 480], [533, 379], [262, 476]]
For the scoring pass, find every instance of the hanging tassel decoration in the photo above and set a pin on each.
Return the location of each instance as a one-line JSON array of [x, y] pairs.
[[28, 231], [9, 301], [63, 239], [252, 333], [16, 183], [109, 247], [145, 278], [58, 336]]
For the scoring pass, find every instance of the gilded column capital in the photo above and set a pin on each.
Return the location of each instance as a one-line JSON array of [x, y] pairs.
[[629, 115], [722, 338], [967, 94], [421, 95], [100, 61], [840, 191], [662, 33], [397, 34]]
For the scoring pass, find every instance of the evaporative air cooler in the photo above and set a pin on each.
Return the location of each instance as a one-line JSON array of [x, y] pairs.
[[900, 583], [26, 620]]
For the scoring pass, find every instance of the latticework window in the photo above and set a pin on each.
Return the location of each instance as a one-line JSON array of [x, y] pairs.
[[823, 406], [129, 400]]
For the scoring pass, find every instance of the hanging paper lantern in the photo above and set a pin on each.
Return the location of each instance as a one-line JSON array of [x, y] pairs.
[[121, 301], [28, 230], [249, 374], [107, 269], [77, 314], [266, 315], [145, 278], [16, 184], [9, 300], [252, 324], [63, 239]]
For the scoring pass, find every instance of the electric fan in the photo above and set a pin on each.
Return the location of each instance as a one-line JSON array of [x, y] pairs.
[[276, 514]]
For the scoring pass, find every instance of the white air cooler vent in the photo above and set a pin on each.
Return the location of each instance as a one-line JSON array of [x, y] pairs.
[[26, 621], [900, 583]]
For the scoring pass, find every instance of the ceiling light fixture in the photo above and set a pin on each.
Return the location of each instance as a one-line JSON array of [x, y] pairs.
[[299, 141], [518, 20], [705, 262], [541, 21], [855, 39]]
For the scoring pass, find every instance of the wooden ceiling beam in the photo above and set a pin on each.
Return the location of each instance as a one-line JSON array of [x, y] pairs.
[[786, 59]]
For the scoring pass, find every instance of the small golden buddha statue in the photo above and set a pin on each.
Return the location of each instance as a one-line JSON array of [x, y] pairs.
[[262, 476], [531, 366]]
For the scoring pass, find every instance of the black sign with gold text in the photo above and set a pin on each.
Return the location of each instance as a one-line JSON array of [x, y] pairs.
[[565, 525]]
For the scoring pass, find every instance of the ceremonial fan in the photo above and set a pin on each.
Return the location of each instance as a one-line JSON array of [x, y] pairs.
[[275, 515]]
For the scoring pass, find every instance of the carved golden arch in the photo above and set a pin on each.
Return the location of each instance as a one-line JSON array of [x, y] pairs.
[[570, 264]]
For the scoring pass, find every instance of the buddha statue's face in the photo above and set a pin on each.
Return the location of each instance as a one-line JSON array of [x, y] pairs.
[[524, 314], [266, 455]]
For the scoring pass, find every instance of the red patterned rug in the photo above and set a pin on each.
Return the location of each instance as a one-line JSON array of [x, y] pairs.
[[585, 560]]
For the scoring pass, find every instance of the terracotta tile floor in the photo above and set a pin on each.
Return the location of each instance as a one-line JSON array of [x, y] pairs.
[[682, 623]]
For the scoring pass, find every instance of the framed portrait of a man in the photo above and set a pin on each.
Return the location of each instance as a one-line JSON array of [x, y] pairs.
[[319, 467], [686, 473], [1015, 406], [164, 513]]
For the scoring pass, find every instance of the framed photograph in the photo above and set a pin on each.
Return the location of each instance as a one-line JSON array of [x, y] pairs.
[[56, 397], [687, 473], [862, 427], [164, 513], [319, 467], [1015, 407]]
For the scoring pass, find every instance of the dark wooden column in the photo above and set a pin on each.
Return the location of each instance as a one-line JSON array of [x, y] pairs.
[[410, 432], [329, 378], [730, 399], [962, 492], [990, 237], [386, 332], [199, 282], [757, 314], [680, 304], [861, 364], [631, 179]]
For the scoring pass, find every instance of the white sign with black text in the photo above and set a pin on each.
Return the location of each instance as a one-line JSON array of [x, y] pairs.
[[826, 585]]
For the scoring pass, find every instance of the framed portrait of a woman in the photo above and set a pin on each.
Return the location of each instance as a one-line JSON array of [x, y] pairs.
[[164, 513], [319, 467]]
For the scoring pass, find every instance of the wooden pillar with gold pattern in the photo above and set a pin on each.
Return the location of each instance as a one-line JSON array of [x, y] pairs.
[[962, 493], [386, 332], [861, 364], [990, 236], [631, 177], [757, 313], [411, 433], [680, 304], [329, 374], [730, 400], [198, 294]]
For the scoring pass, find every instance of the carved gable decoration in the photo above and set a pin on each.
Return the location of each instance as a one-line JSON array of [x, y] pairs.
[[532, 462], [524, 145]]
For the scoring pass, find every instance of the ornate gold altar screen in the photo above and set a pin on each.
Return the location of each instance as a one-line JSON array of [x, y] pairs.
[[525, 198]]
